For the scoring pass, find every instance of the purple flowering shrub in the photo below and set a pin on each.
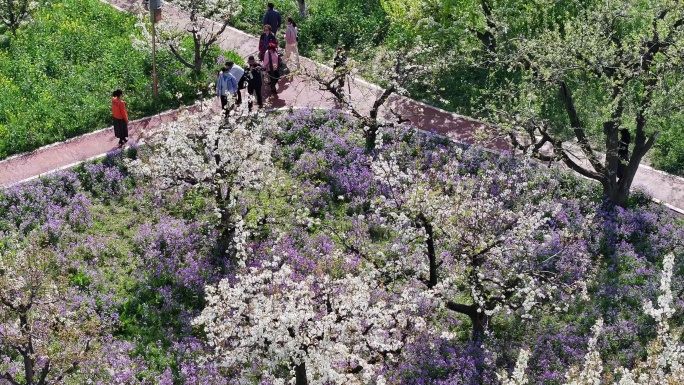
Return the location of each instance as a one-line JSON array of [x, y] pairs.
[[323, 148], [633, 243], [87, 272], [570, 246], [420, 262]]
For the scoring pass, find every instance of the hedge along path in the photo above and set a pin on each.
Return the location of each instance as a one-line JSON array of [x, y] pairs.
[[302, 92]]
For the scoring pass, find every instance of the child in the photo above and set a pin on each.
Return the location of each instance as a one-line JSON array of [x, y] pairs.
[[253, 75], [291, 40], [271, 66], [120, 116]]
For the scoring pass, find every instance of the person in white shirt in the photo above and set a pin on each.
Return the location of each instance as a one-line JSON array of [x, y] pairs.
[[238, 73]]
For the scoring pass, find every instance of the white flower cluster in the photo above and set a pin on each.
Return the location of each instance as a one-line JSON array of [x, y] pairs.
[[593, 366], [218, 10], [203, 150], [269, 320], [665, 361], [518, 376], [468, 220]]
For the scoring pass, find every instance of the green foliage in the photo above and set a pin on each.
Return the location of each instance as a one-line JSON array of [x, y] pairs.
[[669, 149], [458, 27], [329, 23], [251, 19], [355, 24], [58, 73]]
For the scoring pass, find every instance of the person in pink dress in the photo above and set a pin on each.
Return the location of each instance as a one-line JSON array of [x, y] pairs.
[[291, 40], [270, 64]]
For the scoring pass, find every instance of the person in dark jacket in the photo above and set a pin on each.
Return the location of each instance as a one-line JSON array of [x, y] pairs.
[[265, 40], [623, 152], [272, 18], [253, 75]]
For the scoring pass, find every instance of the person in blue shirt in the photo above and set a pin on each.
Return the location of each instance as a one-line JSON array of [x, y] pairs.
[[226, 84], [272, 18]]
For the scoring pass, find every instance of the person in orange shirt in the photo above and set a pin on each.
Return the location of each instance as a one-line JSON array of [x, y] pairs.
[[120, 116]]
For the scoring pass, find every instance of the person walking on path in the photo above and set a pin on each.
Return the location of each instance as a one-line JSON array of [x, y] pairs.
[[267, 38], [271, 65], [238, 73], [120, 115], [253, 76], [291, 40], [272, 18], [226, 85]]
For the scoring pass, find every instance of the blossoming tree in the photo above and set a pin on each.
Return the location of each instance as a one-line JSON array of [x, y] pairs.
[[395, 69], [15, 12], [207, 152], [208, 20], [270, 323], [494, 238], [46, 326]]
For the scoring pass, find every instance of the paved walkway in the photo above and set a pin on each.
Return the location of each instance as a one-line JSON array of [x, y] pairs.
[[297, 91]]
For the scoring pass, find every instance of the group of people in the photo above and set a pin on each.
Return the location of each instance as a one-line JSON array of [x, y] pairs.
[[232, 78]]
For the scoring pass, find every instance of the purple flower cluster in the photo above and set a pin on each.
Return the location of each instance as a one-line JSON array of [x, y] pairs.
[[175, 250], [322, 150], [33, 204], [325, 153]]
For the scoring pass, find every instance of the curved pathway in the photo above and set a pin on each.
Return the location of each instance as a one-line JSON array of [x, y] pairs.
[[297, 91]]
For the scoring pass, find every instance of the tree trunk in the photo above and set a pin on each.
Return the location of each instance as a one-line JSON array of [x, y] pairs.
[[480, 321], [371, 135], [198, 60], [27, 352], [486, 37], [300, 374], [226, 232], [302, 8], [610, 131], [619, 192], [430, 243]]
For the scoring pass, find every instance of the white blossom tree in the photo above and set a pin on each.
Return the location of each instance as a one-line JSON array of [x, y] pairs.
[[46, 327], [397, 70], [486, 238], [205, 151], [15, 12], [208, 20], [272, 324]]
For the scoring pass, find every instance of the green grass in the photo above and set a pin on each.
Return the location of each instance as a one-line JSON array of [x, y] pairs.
[[58, 72]]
